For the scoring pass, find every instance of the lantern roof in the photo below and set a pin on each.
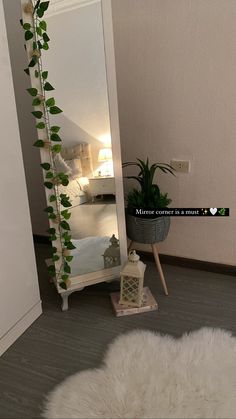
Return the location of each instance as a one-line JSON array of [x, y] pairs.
[[133, 267]]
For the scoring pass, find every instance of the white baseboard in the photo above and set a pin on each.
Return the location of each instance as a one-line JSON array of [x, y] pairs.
[[20, 327]]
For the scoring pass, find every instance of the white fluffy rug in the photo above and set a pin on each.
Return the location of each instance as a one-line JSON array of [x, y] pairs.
[[146, 375]]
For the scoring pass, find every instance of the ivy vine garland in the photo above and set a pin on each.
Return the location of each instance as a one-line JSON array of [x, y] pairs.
[[37, 40]]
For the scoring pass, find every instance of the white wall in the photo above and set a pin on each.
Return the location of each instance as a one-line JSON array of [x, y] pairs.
[[176, 66], [19, 297], [31, 157]]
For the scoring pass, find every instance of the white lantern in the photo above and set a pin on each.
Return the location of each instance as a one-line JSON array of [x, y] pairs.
[[112, 253], [132, 277]]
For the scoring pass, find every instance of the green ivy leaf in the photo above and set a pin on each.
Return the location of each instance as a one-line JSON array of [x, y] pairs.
[[65, 182], [56, 148], [64, 277], [55, 137], [33, 62], [51, 270], [44, 5], [69, 245], [41, 125], [27, 26], [48, 87], [26, 70], [39, 143], [46, 37], [51, 231], [43, 25], [28, 35], [45, 166], [40, 12], [40, 45], [49, 209], [45, 75], [66, 214], [54, 250], [37, 114], [48, 185], [64, 225], [66, 236], [32, 91], [67, 268], [65, 203], [54, 110], [34, 45], [49, 175], [39, 31], [36, 102], [52, 238], [55, 129], [36, 73], [50, 102], [69, 258], [63, 285], [45, 46], [55, 258], [52, 198]]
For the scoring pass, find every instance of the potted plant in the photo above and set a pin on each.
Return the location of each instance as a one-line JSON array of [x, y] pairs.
[[147, 228]]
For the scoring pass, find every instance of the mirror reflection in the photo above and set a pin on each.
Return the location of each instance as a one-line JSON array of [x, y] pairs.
[[79, 75]]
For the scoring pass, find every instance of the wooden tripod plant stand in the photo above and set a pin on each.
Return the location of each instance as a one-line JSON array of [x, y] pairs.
[[158, 264]]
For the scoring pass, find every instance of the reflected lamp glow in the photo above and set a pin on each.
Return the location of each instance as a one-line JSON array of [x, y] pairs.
[[105, 157]]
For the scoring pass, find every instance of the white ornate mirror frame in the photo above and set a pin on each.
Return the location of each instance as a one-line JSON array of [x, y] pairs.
[[77, 283]]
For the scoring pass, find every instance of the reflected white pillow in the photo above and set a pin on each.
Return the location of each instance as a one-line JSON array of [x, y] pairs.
[[61, 165], [75, 167]]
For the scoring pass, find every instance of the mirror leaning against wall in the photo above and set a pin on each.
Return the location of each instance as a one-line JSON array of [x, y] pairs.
[[80, 66]]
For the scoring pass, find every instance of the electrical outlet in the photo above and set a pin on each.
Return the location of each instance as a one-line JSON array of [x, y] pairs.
[[182, 166]]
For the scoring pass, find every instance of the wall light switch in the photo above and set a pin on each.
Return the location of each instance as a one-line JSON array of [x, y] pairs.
[[182, 166]]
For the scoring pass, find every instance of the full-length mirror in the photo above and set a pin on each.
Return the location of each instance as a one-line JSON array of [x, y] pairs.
[[76, 64]]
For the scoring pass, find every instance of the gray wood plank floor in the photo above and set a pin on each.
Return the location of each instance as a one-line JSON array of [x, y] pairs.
[[59, 344]]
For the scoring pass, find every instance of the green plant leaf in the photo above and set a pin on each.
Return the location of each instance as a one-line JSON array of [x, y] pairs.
[[50, 102], [51, 231], [49, 175], [45, 166], [46, 37], [28, 35], [48, 87], [52, 198], [40, 12], [52, 216], [40, 46], [49, 209], [45, 75], [56, 148], [64, 277], [69, 258], [26, 70], [54, 110], [44, 5], [39, 31], [64, 225], [66, 214], [41, 125], [48, 185], [33, 62], [69, 245], [55, 137], [66, 236], [36, 102], [43, 25], [65, 203], [27, 26], [36, 73], [54, 250], [32, 91], [34, 45], [55, 128], [45, 46], [37, 114], [51, 270], [55, 258], [63, 285], [39, 143], [67, 268]]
